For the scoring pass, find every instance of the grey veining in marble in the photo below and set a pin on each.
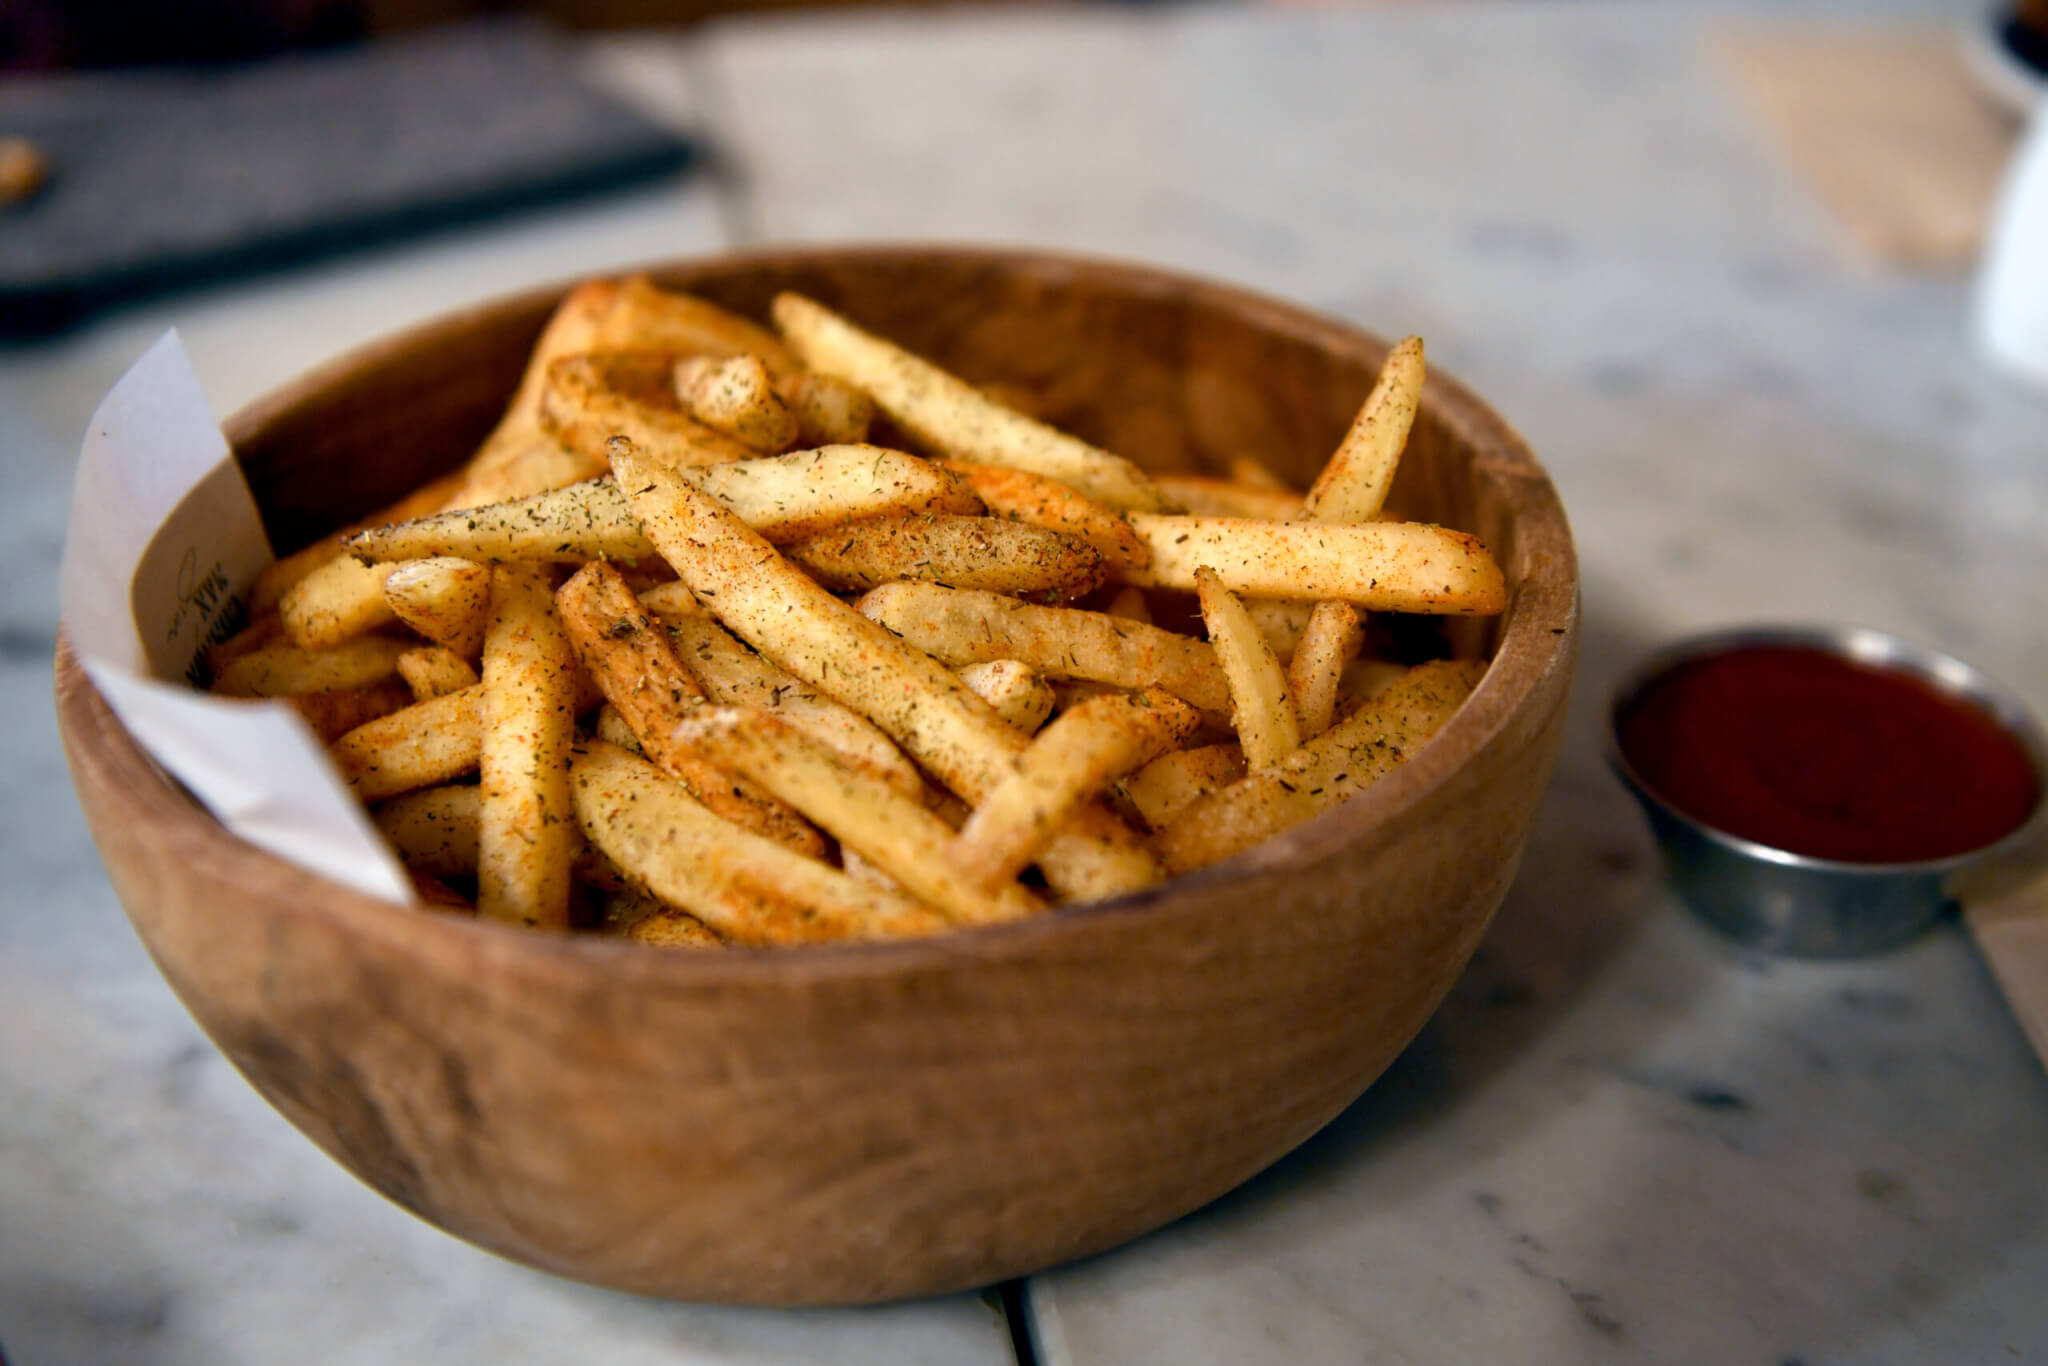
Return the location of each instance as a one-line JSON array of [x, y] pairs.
[[152, 1209], [1619, 1140]]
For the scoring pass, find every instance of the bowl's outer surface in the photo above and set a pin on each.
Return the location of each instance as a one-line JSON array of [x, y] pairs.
[[840, 1125]]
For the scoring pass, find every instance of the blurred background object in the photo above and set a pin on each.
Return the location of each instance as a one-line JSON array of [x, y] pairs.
[[46, 35], [166, 178]]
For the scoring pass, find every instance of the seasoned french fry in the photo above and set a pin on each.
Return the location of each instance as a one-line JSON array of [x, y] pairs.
[[1260, 706], [1368, 678], [747, 888], [646, 919], [1129, 603], [332, 715], [1381, 566], [965, 552], [1205, 495], [1341, 761], [735, 396], [951, 415], [1072, 760], [898, 834], [443, 598], [433, 670], [417, 746], [281, 668], [959, 627], [277, 577], [337, 602], [518, 457], [611, 728], [776, 608], [433, 831], [526, 831], [735, 676], [782, 497], [590, 397], [828, 411], [1023, 496], [1353, 485], [646, 317], [636, 668], [1014, 689], [1281, 621], [1328, 643], [1249, 472], [1163, 788]]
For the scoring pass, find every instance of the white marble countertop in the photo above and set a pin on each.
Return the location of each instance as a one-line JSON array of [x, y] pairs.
[[1618, 1140]]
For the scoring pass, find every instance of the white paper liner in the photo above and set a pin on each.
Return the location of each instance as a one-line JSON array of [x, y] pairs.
[[163, 543]]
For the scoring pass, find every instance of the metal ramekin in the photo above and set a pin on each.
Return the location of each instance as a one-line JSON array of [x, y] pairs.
[[1786, 903]]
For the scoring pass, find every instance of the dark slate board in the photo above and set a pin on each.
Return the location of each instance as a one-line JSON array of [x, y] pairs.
[[168, 178]]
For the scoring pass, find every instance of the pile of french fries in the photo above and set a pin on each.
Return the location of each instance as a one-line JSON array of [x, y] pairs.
[[682, 656]]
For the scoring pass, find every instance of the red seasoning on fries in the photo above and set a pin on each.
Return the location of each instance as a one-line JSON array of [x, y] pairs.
[[680, 657]]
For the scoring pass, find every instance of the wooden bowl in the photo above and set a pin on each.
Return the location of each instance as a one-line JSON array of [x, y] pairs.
[[836, 1125]]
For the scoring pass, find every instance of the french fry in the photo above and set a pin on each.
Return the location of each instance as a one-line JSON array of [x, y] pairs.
[[960, 627], [735, 676], [1205, 495], [1328, 644], [1165, 787], [1129, 603], [1260, 706], [734, 396], [748, 889], [782, 497], [646, 317], [337, 602], [1072, 760], [647, 919], [637, 669], [950, 415], [332, 715], [1340, 762], [1380, 566], [281, 668], [588, 398], [277, 577], [526, 830], [896, 833], [775, 607], [443, 598], [1367, 678], [518, 457], [1281, 621], [828, 411], [1250, 473], [1353, 485], [417, 746], [965, 552], [1023, 496], [433, 831], [434, 670], [1014, 689], [611, 728]]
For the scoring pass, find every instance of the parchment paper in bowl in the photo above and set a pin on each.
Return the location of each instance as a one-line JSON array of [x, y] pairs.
[[163, 542]]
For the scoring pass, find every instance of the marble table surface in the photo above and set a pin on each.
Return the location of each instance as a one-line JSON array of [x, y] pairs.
[[1619, 1140]]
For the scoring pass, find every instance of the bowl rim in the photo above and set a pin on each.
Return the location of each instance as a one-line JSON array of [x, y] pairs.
[[1955, 679], [1538, 635]]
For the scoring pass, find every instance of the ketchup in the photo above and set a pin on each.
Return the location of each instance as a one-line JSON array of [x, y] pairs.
[[1814, 754]]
